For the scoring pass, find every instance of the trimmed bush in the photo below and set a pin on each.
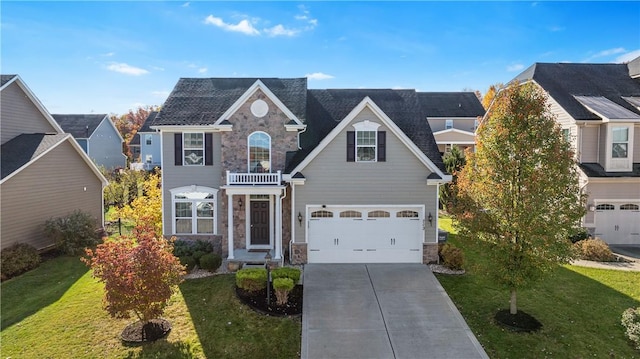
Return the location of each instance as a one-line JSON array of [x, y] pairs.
[[580, 234], [286, 272], [631, 323], [17, 259], [210, 262], [195, 249], [73, 233], [197, 255], [282, 287], [251, 279], [594, 250], [188, 261], [452, 256]]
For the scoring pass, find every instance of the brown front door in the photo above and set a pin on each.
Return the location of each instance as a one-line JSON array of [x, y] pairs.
[[260, 223]]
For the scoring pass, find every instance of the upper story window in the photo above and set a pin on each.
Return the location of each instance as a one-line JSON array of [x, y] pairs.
[[620, 142], [193, 149], [566, 133], [448, 124], [259, 152], [147, 139], [366, 143]]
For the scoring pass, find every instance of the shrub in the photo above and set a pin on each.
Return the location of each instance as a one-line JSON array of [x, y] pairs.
[[452, 256], [251, 279], [17, 259], [631, 322], [188, 261], [580, 234], [286, 272], [210, 262], [197, 255], [594, 250], [282, 286], [73, 233]]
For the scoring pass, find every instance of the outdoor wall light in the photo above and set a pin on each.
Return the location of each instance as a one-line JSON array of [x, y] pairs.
[[592, 208], [430, 219], [300, 218], [240, 202]]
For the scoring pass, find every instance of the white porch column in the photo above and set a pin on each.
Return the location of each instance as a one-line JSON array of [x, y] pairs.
[[278, 255], [230, 226]]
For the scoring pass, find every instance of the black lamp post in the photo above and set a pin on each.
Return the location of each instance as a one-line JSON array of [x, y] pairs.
[[267, 260]]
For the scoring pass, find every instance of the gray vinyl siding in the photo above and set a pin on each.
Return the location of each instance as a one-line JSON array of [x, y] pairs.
[[55, 185], [19, 115], [330, 180], [105, 147], [602, 153], [614, 190], [178, 176], [636, 144], [589, 144]]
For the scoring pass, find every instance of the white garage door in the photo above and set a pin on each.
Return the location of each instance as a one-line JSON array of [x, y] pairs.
[[618, 222], [355, 234]]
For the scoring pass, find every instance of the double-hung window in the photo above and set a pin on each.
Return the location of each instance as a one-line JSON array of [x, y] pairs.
[[193, 210], [366, 143], [620, 143], [448, 124], [193, 148]]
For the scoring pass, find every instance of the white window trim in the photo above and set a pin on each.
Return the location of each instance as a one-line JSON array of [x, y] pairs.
[[367, 126], [184, 148], [148, 139], [249, 149], [194, 217]]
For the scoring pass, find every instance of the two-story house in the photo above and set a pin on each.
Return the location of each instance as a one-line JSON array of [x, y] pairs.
[[145, 146], [598, 108], [44, 172], [453, 118], [97, 136], [329, 176]]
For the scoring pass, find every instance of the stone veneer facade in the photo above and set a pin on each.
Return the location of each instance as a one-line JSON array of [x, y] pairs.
[[234, 157], [429, 253]]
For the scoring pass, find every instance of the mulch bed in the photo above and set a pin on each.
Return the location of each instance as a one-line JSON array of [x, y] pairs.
[[519, 322], [258, 302], [150, 331]]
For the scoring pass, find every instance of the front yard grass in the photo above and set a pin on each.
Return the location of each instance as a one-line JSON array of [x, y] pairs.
[[580, 309], [55, 311]]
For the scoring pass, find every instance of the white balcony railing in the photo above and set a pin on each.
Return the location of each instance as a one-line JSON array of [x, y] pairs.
[[254, 178]]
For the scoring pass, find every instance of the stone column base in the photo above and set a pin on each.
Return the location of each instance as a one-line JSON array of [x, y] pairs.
[[429, 253], [299, 255]]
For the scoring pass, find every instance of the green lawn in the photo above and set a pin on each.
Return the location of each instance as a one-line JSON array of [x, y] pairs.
[[56, 311], [580, 309]]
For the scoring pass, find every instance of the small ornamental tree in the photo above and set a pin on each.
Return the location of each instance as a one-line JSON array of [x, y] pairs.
[[140, 273], [454, 161], [519, 194]]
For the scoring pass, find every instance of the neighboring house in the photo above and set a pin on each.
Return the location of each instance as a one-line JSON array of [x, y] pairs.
[[44, 172], [147, 144], [598, 108], [453, 117], [134, 148], [331, 176], [97, 136]]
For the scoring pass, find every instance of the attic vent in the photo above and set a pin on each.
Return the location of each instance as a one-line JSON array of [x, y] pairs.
[[459, 105]]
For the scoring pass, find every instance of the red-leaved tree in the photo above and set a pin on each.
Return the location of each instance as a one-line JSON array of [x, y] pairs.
[[140, 273]]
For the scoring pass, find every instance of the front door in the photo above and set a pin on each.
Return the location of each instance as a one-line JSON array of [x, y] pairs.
[[260, 231]]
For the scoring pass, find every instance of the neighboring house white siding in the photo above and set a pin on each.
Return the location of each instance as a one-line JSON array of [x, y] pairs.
[[589, 144], [16, 107]]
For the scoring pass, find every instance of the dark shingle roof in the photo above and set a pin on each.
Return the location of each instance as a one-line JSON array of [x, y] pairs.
[[326, 108], [147, 123], [596, 170], [201, 101], [23, 148], [451, 104], [563, 81], [79, 126], [6, 78]]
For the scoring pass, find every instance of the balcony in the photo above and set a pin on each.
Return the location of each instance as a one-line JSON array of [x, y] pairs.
[[254, 179]]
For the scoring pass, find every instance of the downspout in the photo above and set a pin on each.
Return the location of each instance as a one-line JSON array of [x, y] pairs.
[[293, 222], [280, 214], [299, 133]]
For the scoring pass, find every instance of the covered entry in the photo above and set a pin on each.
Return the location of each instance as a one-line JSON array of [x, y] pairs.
[[362, 234]]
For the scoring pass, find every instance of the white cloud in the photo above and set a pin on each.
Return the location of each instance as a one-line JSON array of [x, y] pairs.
[[108, 54], [202, 70], [606, 53], [556, 28], [161, 94], [244, 26], [280, 30], [628, 56], [186, 4], [515, 67], [318, 76], [126, 69]]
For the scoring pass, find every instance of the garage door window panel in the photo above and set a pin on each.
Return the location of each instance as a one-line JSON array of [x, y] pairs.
[[378, 214], [407, 214], [350, 214], [321, 214], [629, 207], [605, 207]]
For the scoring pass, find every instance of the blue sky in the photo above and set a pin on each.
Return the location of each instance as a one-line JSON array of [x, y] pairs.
[[109, 57]]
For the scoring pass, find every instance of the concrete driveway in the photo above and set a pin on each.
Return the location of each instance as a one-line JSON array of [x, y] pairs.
[[381, 311]]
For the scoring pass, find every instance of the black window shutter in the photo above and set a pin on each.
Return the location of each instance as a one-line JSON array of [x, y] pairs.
[[351, 146], [177, 139], [208, 149], [382, 146]]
